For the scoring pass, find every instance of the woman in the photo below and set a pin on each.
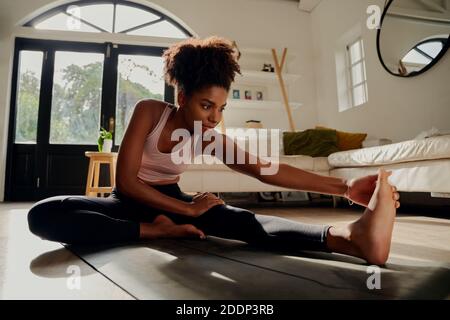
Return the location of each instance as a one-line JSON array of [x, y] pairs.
[[148, 204]]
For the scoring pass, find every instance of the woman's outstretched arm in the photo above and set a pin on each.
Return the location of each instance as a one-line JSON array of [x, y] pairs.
[[295, 178], [280, 174], [359, 190]]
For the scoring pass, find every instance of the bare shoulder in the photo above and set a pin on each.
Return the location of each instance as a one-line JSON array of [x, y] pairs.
[[151, 106], [149, 111], [145, 115]]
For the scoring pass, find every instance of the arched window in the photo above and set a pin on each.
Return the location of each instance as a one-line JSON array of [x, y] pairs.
[[111, 17]]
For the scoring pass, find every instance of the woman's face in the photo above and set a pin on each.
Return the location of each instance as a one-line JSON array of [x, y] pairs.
[[205, 105]]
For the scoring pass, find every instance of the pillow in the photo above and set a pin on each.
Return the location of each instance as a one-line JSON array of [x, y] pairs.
[[311, 142], [433, 132], [347, 140]]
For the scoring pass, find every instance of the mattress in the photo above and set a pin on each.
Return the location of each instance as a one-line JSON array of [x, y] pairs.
[[407, 151]]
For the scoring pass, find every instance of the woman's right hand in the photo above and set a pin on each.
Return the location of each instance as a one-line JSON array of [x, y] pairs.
[[202, 202]]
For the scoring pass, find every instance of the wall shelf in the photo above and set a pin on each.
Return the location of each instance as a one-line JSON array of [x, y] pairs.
[[260, 105], [257, 83], [262, 77]]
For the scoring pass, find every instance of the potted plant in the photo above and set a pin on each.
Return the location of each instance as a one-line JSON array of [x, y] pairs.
[[104, 141]]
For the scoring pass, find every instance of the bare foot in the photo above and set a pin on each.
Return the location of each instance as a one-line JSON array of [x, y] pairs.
[[371, 234], [163, 227]]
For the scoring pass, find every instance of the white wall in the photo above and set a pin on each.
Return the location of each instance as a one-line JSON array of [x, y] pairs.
[[252, 23], [398, 108]]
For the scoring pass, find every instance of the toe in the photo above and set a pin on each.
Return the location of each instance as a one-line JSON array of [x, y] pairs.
[[194, 231], [383, 174]]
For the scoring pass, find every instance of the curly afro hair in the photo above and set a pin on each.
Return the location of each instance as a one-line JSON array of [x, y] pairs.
[[194, 64]]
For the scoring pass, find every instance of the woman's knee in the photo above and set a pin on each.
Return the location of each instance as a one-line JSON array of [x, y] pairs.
[[225, 211], [229, 218], [40, 214]]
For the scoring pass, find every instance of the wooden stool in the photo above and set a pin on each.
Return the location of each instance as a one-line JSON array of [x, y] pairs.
[[95, 160]]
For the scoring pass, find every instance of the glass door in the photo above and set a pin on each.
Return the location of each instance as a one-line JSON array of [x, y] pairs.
[[139, 77], [76, 97], [63, 92]]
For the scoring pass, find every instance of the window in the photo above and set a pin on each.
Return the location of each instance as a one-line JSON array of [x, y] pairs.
[[139, 77], [114, 17], [356, 73], [76, 97], [28, 93], [423, 54]]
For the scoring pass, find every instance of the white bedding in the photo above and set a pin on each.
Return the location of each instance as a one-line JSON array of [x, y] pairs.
[[405, 151]]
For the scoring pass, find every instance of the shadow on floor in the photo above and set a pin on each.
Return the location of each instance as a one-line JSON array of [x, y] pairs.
[[225, 269], [56, 263]]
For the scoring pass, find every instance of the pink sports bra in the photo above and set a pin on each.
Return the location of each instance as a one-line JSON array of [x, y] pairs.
[[158, 167]]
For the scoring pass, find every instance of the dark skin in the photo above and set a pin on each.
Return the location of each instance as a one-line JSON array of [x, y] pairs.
[[207, 105]]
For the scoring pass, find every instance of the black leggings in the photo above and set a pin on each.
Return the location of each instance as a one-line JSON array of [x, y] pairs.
[[91, 220]]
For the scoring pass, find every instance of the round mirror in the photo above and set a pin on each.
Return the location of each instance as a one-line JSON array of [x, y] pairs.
[[413, 35]]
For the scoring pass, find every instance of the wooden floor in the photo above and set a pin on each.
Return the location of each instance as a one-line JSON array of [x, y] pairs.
[[31, 268]]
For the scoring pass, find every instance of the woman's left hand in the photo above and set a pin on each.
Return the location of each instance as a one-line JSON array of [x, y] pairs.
[[361, 190]]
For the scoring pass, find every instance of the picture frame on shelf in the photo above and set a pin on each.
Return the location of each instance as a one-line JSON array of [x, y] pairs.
[[248, 93], [259, 95]]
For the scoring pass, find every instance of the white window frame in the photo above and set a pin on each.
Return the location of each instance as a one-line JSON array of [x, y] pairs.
[[350, 86]]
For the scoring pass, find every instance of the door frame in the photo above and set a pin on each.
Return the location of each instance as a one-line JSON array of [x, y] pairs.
[[108, 102]]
